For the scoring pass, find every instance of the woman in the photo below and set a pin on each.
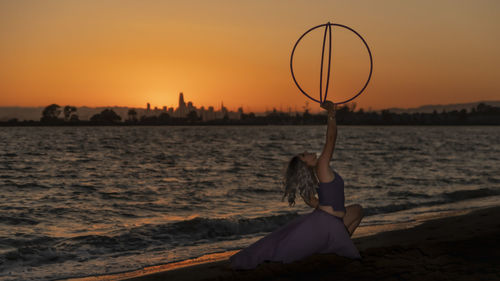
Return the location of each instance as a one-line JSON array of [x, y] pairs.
[[327, 229]]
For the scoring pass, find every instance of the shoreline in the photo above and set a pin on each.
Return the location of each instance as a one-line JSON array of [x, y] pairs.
[[412, 242]]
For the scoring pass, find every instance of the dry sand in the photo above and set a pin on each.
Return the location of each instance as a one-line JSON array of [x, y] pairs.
[[464, 247]]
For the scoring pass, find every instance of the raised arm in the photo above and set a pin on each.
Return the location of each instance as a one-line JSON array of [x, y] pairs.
[[323, 169]]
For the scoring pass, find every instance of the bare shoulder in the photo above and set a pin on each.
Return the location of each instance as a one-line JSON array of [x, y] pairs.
[[324, 172]]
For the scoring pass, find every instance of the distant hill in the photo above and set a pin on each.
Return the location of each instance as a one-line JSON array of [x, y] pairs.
[[439, 108], [20, 113]]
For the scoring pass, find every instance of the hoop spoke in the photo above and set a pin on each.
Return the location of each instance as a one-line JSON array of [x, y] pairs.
[[321, 68], [329, 59]]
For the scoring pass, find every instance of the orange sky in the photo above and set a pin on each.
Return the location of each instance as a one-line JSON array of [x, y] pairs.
[[128, 53]]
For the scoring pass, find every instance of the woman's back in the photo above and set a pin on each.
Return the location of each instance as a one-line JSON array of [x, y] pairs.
[[331, 196]]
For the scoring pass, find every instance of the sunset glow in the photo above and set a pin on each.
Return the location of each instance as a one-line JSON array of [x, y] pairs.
[[128, 53]]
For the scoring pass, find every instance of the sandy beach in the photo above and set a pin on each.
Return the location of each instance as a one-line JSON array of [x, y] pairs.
[[460, 247]]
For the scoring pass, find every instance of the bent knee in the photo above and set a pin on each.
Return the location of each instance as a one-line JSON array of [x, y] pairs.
[[358, 209]]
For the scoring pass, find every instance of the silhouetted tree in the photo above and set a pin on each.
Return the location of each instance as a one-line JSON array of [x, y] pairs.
[[132, 115], [164, 117], [487, 109], [95, 117], [342, 114], [68, 110], [250, 115], [51, 113], [106, 116], [149, 120], [482, 107]]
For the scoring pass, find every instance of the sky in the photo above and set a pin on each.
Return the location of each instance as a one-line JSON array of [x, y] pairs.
[[128, 53]]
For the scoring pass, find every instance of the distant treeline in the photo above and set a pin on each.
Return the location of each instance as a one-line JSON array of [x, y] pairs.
[[482, 114]]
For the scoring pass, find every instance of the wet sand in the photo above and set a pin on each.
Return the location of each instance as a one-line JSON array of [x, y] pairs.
[[463, 247]]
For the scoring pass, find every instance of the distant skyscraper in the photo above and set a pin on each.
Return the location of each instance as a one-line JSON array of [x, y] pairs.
[[148, 107], [181, 111], [182, 104]]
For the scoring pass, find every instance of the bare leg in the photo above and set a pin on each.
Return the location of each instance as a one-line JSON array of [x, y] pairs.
[[353, 216]]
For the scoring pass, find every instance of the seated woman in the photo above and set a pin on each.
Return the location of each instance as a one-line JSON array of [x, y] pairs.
[[327, 229]]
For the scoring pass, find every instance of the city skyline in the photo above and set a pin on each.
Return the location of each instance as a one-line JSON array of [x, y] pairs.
[[183, 109], [85, 112]]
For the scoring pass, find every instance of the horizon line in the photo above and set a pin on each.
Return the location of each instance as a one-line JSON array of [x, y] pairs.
[[267, 110]]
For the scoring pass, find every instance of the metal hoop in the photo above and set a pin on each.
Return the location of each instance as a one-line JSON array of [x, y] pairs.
[[328, 26]]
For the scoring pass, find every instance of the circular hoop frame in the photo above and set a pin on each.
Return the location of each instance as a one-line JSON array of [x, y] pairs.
[[328, 27]]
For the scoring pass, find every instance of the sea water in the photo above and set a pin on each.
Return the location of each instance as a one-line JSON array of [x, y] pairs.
[[80, 201]]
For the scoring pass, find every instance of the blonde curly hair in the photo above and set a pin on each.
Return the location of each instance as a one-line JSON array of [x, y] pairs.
[[299, 177]]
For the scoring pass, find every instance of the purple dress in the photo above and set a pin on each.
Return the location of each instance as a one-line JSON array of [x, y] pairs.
[[316, 232]]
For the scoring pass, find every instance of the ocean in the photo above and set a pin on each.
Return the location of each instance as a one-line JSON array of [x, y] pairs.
[[81, 201]]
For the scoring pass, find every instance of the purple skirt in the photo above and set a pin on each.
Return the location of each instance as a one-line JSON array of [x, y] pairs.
[[317, 232]]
